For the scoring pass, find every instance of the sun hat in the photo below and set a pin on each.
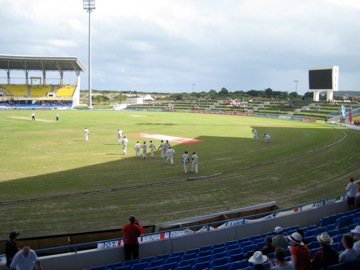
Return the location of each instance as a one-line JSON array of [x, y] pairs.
[[278, 229], [325, 239], [296, 238], [356, 230], [258, 258]]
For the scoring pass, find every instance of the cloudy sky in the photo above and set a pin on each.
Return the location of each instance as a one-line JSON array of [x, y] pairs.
[[186, 45]]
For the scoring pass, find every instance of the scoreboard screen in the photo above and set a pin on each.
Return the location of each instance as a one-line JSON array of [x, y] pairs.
[[321, 79]]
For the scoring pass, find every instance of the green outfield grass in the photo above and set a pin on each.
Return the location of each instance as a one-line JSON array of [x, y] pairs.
[[44, 159]]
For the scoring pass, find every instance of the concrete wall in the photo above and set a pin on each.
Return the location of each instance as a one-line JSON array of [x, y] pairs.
[[96, 257]]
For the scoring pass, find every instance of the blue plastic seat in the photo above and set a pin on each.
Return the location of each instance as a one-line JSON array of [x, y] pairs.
[[186, 262], [219, 261], [203, 259], [218, 255], [101, 267], [114, 265], [152, 268], [341, 222], [139, 266], [156, 262], [172, 259], [235, 257], [131, 263], [124, 267], [188, 256], [218, 250], [203, 248], [168, 266], [184, 267], [234, 251], [248, 248], [222, 267], [201, 265], [232, 246], [240, 265]]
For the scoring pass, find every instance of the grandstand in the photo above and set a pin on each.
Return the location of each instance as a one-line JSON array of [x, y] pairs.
[[227, 247], [301, 109], [35, 90]]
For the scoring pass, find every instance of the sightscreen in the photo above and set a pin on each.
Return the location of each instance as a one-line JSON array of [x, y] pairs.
[[320, 79]]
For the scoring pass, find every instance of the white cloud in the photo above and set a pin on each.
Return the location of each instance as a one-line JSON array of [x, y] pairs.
[[164, 45]]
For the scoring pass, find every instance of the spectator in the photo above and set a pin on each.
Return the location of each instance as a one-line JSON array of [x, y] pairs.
[[300, 254], [349, 254], [25, 259], [268, 248], [258, 260], [357, 196], [141, 227], [282, 264], [351, 193], [327, 255], [279, 240], [356, 233], [131, 232], [11, 248], [304, 239]]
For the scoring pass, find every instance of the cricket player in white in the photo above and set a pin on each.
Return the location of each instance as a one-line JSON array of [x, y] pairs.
[[152, 149], [185, 158], [124, 145], [194, 164], [86, 132], [166, 147], [144, 148], [170, 155], [255, 134], [267, 137], [137, 149], [120, 135], [162, 149]]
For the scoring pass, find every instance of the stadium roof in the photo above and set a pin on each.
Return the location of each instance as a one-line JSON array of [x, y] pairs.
[[47, 63]]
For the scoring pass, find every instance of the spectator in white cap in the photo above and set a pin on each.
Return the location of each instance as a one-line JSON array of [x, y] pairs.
[[258, 260], [326, 256], [356, 233], [300, 254], [279, 240]]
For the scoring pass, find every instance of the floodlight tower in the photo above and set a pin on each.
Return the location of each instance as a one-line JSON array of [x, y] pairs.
[[89, 6], [296, 82]]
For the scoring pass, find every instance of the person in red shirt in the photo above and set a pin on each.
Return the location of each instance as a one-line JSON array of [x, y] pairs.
[[326, 256], [300, 254], [131, 232]]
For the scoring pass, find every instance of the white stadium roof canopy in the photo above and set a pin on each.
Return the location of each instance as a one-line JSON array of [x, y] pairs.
[[44, 63]]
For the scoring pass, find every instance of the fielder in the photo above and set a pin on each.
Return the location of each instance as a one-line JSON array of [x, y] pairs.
[[152, 149], [186, 159], [194, 165], [144, 148], [254, 132], [137, 149], [162, 149], [170, 155], [166, 147], [86, 132], [267, 138], [124, 145], [120, 135]]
